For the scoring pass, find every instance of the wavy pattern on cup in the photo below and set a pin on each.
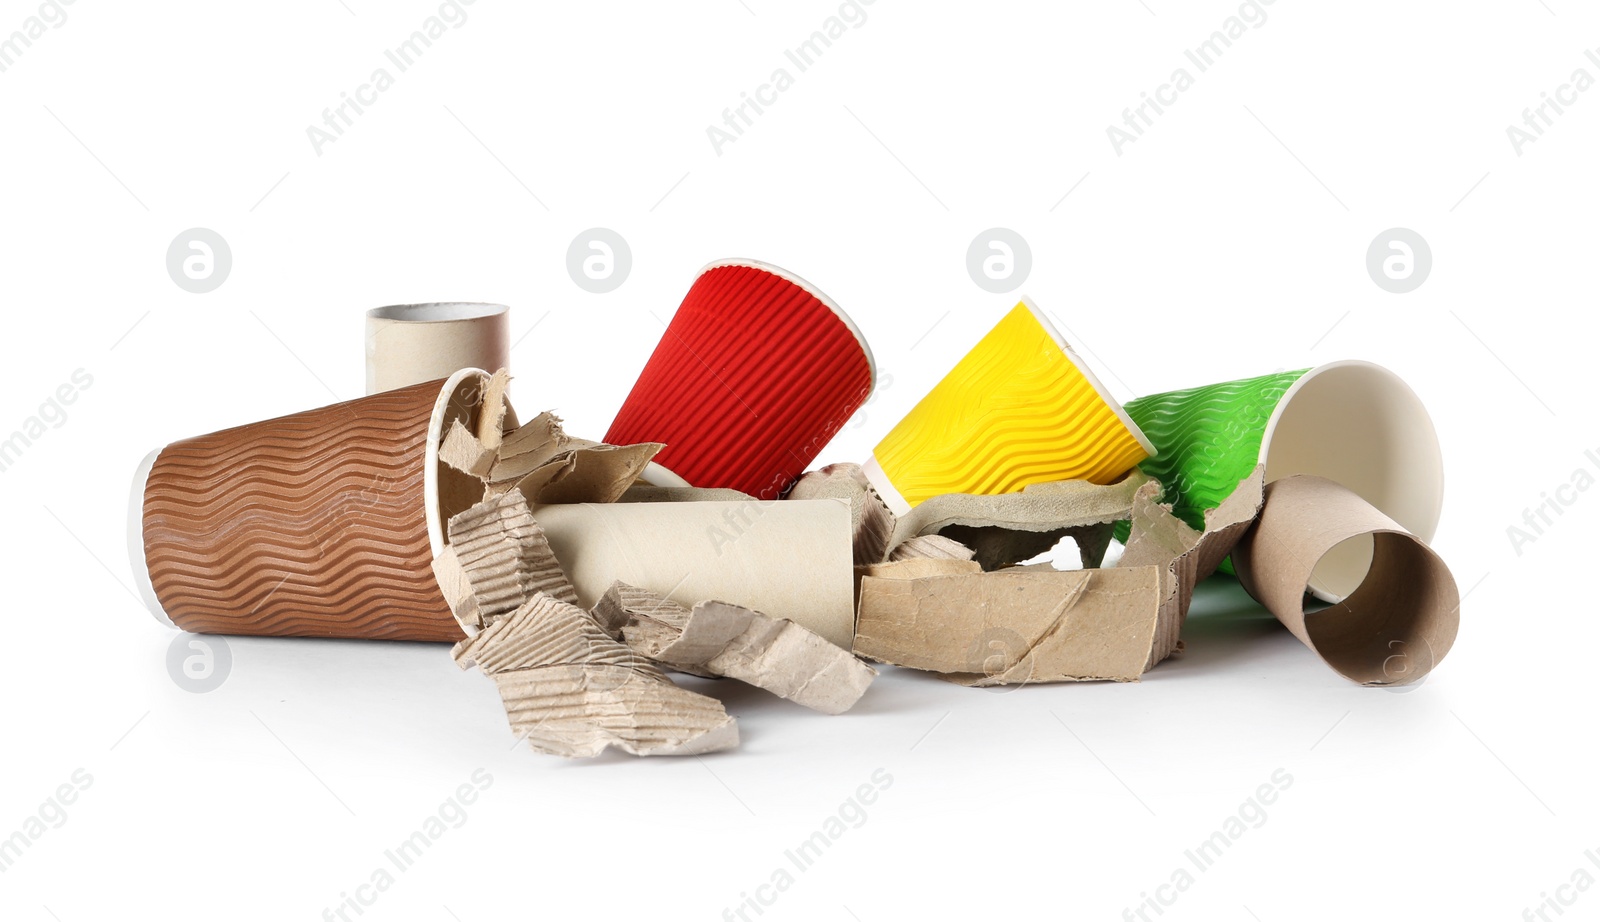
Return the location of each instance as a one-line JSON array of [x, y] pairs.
[[1016, 410], [311, 525]]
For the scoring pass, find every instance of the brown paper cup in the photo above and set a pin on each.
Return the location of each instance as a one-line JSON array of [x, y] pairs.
[[1395, 626], [320, 524]]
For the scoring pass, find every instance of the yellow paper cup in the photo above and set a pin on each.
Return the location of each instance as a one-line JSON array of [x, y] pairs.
[[1020, 408]]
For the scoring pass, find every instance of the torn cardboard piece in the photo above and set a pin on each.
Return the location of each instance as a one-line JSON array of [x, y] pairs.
[[1185, 556], [720, 639], [1395, 626], [1012, 527], [527, 449], [597, 474], [492, 415], [499, 557], [1015, 626], [790, 559], [572, 690], [931, 546], [871, 522]]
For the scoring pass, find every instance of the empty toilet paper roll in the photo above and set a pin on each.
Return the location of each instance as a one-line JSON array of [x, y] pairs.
[[411, 343], [784, 558], [1395, 626]]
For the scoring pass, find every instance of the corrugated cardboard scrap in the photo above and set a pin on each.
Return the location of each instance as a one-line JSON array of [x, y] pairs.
[[719, 639], [571, 690], [497, 559]]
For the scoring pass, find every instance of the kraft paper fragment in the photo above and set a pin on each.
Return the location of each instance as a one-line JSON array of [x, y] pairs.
[[721, 639], [1015, 626]]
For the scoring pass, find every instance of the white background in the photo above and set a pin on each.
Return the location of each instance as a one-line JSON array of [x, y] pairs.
[[1230, 240]]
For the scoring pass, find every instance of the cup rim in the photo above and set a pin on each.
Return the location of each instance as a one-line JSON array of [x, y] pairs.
[[437, 312], [815, 292], [141, 566], [1424, 530], [430, 455], [1094, 381]]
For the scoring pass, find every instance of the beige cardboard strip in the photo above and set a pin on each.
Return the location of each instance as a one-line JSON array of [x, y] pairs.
[[788, 558], [1395, 627], [1012, 527], [1014, 626], [503, 555], [720, 639], [1185, 556], [571, 690]]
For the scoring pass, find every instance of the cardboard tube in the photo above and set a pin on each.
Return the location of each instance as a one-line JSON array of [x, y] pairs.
[[1391, 629], [411, 343], [787, 559]]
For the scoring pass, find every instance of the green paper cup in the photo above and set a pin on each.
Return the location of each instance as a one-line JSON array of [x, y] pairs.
[[1352, 422]]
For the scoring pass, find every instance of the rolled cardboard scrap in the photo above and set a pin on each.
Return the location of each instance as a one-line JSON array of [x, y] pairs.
[[720, 639], [934, 546], [1159, 538], [871, 522], [572, 690], [1012, 527], [788, 558], [503, 558], [1015, 626], [1395, 627]]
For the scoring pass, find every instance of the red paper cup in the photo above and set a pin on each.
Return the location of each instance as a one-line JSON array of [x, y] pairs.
[[757, 372]]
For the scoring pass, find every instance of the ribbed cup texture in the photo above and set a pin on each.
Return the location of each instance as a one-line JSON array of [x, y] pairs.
[[752, 379], [1014, 411], [311, 525], [1207, 439]]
